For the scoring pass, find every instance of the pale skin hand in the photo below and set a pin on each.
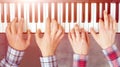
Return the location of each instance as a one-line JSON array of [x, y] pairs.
[[15, 35], [107, 31], [79, 40], [51, 38]]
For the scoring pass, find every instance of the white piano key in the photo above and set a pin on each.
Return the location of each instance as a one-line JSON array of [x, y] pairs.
[[119, 21], [4, 25], [79, 15], [39, 24], [62, 23], [59, 8], [53, 10], [113, 10], [94, 8], [0, 18], [25, 17], [19, 10], [33, 24], [12, 11], [67, 28], [45, 16], [86, 27], [72, 23], [106, 6], [100, 8]]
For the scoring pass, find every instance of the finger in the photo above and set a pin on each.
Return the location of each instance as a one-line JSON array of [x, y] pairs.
[[70, 37], [8, 29], [87, 37], [59, 32], [47, 28], [37, 34], [29, 37], [111, 22], [101, 25], [114, 25], [83, 34], [77, 31], [92, 31], [13, 26], [73, 34], [106, 22], [54, 27], [20, 29]]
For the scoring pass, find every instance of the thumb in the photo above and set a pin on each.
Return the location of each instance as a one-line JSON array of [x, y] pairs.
[[92, 31]]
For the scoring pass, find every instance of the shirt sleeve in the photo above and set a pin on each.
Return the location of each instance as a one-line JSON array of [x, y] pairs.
[[79, 60], [48, 61], [113, 56], [12, 59]]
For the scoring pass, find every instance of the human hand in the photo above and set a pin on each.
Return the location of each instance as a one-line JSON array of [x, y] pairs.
[[15, 35], [79, 40], [107, 31], [51, 38]]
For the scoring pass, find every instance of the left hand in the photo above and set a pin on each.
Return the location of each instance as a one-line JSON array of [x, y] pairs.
[[15, 35]]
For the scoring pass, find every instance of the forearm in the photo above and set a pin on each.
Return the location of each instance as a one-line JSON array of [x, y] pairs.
[[12, 59], [79, 60], [49, 61], [113, 56]]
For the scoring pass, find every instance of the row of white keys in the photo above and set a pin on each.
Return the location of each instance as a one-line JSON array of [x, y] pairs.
[[119, 20]]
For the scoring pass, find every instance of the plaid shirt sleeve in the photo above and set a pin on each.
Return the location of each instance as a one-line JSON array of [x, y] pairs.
[[48, 61], [12, 59], [79, 60], [113, 56]]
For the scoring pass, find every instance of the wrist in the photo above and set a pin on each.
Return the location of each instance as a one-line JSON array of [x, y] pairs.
[[46, 54]]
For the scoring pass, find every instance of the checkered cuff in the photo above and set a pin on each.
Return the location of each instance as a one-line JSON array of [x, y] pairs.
[[113, 56], [79, 60], [48, 61], [13, 58], [111, 53]]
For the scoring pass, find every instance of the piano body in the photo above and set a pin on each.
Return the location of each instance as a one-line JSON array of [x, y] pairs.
[[86, 13]]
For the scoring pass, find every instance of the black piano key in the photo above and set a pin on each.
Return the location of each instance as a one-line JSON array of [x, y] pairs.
[[2, 9], [103, 8], [16, 11], [49, 11], [55, 12], [41, 12], [8, 14], [75, 12], [117, 12], [36, 13], [89, 12], [108, 8], [83, 12], [22, 10], [30, 12], [97, 12], [69, 12], [64, 13]]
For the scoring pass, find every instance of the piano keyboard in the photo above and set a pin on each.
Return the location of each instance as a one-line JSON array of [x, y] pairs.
[[86, 15]]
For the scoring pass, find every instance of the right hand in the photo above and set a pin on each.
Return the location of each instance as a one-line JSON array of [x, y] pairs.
[[79, 40], [51, 38], [107, 31]]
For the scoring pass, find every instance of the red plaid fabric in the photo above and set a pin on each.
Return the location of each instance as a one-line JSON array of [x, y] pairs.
[[79, 60], [113, 56]]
